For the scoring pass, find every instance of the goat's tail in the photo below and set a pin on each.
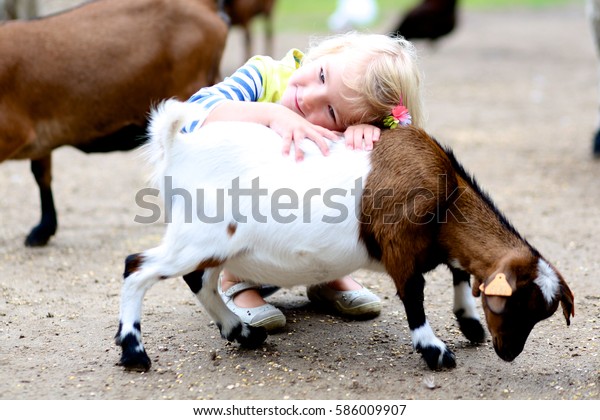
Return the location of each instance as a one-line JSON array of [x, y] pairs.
[[166, 121]]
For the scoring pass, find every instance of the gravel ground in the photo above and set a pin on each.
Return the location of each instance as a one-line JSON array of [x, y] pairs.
[[513, 92]]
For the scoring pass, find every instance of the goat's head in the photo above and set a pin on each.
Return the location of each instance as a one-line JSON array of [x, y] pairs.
[[522, 292]]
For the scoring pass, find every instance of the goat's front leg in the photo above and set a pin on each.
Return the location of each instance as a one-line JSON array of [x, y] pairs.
[[42, 172], [464, 307], [434, 351], [204, 284]]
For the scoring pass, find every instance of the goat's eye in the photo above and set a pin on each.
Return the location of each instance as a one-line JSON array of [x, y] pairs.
[[322, 75]]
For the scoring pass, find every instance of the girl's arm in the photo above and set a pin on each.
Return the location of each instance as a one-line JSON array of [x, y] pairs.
[[235, 99], [245, 85], [290, 126]]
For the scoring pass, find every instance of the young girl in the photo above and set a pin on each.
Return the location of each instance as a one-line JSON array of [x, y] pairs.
[[351, 84]]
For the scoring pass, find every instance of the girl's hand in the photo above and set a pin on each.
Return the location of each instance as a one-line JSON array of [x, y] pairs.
[[285, 122], [357, 135], [295, 129]]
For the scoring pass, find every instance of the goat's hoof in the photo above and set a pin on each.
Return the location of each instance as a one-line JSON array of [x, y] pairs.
[[247, 335], [472, 329], [133, 356], [39, 236], [255, 337], [135, 360], [138, 363], [437, 358]]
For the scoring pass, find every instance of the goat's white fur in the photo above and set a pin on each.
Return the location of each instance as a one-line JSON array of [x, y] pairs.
[[425, 337], [463, 300], [547, 281], [272, 252]]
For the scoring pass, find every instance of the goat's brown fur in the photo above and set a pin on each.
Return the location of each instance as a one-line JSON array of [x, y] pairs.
[[420, 209], [79, 77], [390, 207]]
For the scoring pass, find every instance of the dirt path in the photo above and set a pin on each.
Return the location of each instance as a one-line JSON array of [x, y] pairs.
[[514, 93]]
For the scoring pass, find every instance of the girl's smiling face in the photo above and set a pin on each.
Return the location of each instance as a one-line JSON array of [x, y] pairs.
[[316, 92]]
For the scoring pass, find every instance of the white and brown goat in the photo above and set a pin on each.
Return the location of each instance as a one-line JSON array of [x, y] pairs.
[[235, 202], [89, 76]]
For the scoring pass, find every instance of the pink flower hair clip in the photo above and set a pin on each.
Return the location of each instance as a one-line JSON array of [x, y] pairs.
[[399, 116]]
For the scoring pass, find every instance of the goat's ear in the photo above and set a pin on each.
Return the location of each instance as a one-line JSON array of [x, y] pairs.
[[567, 301], [476, 287]]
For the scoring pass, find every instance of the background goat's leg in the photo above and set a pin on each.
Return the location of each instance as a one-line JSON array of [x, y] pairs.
[[594, 16], [269, 44], [40, 234], [247, 40]]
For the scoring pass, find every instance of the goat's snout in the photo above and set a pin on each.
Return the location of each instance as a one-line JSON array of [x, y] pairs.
[[508, 349]]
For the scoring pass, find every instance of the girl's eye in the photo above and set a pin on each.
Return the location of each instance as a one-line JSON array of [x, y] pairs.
[[329, 107]]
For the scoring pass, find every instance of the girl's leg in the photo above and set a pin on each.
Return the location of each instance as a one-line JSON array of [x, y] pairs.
[[347, 297], [344, 284], [249, 298], [244, 300]]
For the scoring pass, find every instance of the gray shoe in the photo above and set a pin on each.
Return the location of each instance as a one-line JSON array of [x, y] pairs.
[[266, 316], [360, 303]]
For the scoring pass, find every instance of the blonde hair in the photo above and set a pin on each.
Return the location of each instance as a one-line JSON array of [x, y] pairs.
[[383, 72]]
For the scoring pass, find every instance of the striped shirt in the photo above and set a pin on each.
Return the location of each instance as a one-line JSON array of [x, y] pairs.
[[261, 79]]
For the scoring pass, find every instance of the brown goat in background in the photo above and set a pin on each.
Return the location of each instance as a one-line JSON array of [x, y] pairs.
[[242, 12], [88, 77], [430, 19]]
